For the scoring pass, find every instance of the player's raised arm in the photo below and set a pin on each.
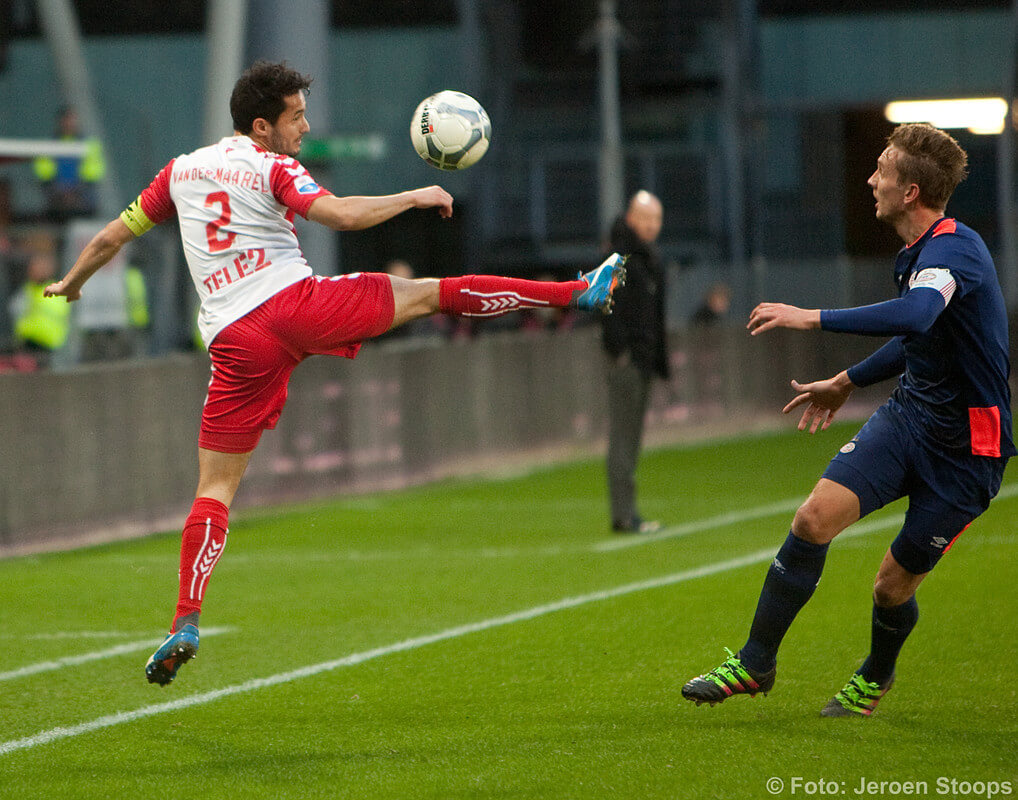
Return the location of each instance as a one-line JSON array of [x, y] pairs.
[[779, 315], [358, 212], [914, 312], [97, 253]]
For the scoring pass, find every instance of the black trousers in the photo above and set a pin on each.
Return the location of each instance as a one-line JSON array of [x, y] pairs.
[[628, 390]]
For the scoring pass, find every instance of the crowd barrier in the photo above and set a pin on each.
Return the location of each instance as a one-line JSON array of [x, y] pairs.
[[109, 451]]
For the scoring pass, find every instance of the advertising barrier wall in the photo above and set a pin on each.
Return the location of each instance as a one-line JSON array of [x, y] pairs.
[[109, 451]]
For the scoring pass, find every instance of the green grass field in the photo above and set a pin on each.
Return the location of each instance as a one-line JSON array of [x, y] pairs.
[[491, 639]]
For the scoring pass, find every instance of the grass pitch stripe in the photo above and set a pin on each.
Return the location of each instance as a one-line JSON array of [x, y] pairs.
[[84, 658], [123, 717], [734, 518]]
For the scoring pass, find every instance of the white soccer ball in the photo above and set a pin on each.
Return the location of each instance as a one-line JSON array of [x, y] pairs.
[[450, 130]]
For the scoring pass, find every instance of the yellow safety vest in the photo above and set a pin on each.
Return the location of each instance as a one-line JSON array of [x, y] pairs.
[[137, 298], [44, 321], [91, 168]]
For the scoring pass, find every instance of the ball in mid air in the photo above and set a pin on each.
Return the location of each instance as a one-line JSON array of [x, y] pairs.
[[450, 130]]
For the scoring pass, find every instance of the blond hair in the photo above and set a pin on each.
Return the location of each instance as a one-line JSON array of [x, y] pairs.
[[931, 159]]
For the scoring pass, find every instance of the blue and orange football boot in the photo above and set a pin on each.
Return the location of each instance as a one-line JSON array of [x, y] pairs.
[[177, 649], [601, 285]]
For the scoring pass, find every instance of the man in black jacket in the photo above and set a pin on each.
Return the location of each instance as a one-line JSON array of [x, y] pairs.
[[634, 339]]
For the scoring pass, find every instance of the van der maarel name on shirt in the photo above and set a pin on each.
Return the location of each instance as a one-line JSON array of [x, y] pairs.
[[243, 178]]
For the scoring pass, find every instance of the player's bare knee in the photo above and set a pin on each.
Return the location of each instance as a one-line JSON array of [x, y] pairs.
[[888, 592], [427, 296], [413, 298], [813, 524]]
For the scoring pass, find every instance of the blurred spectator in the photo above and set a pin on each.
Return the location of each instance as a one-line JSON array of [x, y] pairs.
[[70, 182], [6, 265], [6, 213], [715, 306], [635, 343], [400, 268], [137, 308], [131, 339], [41, 324]]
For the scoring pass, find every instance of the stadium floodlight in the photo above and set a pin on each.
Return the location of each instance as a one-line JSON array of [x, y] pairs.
[[978, 114]]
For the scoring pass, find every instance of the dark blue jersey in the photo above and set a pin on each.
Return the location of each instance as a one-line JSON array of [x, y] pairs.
[[954, 387]]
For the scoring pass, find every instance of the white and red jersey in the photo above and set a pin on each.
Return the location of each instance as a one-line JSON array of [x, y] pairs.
[[235, 204]]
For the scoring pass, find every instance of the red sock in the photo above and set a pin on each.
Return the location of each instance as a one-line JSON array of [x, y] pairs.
[[200, 548], [493, 296]]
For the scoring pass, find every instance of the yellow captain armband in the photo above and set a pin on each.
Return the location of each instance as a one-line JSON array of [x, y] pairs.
[[136, 219]]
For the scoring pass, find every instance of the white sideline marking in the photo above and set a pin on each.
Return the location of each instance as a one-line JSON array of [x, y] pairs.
[[671, 532], [70, 635], [720, 521], [122, 717], [84, 658]]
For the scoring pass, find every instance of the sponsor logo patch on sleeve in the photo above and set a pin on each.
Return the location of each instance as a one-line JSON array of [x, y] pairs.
[[305, 184], [935, 278]]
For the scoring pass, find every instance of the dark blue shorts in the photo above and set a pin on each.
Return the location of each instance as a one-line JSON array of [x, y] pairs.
[[886, 460]]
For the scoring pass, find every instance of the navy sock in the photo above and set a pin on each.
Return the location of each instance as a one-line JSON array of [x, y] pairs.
[[891, 627], [790, 582]]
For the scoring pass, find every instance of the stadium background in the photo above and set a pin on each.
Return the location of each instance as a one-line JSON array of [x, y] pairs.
[[756, 123]]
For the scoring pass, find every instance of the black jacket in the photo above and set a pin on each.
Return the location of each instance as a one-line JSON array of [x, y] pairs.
[[637, 325]]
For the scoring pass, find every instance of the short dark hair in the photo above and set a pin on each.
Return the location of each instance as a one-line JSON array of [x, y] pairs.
[[260, 93], [931, 159]]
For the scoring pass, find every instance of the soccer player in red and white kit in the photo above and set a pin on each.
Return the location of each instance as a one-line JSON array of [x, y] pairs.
[[262, 310]]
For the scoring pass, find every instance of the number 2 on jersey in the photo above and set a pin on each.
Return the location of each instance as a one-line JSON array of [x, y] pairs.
[[218, 242]]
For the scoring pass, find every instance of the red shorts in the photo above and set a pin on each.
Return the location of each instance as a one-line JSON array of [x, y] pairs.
[[253, 357]]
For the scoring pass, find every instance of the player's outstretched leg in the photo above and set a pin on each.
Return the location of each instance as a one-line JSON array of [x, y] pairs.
[[493, 295], [177, 649], [858, 698], [732, 677]]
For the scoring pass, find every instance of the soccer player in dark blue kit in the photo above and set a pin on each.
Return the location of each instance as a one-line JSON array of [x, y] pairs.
[[942, 439]]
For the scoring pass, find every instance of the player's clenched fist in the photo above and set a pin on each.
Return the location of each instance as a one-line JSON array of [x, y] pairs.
[[434, 197]]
